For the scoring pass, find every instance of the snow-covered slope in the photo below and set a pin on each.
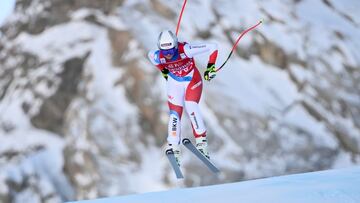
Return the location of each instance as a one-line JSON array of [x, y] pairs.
[[318, 187], [83, 113]]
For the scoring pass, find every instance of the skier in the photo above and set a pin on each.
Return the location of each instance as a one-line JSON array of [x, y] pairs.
[[184, 85]]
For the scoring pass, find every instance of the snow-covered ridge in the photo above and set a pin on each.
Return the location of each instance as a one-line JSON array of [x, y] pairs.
[[78, 93], [333, 186]]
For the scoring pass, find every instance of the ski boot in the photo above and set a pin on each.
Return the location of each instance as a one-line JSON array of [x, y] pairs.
[[201, 145], [176, 150]]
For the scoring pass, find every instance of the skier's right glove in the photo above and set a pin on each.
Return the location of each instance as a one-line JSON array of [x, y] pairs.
[[165, 73], [210, 72]]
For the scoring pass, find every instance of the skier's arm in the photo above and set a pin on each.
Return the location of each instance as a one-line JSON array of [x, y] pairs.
[[195, 49], [154, 58], [192, 50]]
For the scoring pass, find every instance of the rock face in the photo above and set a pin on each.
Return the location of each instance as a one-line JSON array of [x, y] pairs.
[[83, 113]]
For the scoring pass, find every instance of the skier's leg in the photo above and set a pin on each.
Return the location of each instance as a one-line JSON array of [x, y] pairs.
[[197, 123], [174, 130], [174, 126], [192, 98], [175, 93]]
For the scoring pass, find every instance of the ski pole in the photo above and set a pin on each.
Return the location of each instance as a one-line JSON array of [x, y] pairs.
[[237, 41], [181, 13]]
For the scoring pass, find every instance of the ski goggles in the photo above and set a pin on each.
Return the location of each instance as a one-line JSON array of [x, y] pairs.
[[171, 51]]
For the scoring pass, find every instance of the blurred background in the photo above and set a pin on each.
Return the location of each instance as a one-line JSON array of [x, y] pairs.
[[83, 113]]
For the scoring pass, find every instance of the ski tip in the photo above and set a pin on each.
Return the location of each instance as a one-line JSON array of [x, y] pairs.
[[261, 20], [186, 141]]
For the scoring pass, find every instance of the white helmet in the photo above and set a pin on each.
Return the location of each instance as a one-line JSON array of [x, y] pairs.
[[167, 40]]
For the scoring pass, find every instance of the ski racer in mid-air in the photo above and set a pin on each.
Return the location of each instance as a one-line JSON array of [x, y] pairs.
[[184, 85]]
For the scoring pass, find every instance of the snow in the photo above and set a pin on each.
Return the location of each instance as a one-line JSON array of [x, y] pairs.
[[317, 13], [110, 21], [317, 187], [298, 116], [301, 74], [46, 163], [41, 138], [229, 147], [348, 8], [322, 18], [27, 196], [308, 30], [289, 40], [279, 11], [59, 42], [256, 87], [239, 13], [203, 23], [142, 181], [7, 8], [12, 113], [105, 75], [145, 27]]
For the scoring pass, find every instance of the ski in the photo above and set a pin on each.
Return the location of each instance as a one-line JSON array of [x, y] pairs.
[[170, 155], [187, 143]]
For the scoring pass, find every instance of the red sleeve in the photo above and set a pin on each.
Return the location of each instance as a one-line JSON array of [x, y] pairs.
[[213, 56], [160, 67]]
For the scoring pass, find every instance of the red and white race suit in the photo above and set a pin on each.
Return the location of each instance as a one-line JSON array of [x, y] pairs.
[[184, 86]]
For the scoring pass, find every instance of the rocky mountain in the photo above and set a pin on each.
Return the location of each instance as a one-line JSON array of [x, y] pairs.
[[83, 113]]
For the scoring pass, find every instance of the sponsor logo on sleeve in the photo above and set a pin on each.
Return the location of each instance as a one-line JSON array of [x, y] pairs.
[[197, 46]]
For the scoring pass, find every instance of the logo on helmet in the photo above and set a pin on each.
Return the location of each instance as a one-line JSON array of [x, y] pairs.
[[166, 44]]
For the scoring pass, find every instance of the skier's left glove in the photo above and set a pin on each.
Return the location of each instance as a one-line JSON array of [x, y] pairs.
[[210, 72], [165, 73]]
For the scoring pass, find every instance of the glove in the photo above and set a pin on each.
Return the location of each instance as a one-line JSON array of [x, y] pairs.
[[210, 72], [165, 73]]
